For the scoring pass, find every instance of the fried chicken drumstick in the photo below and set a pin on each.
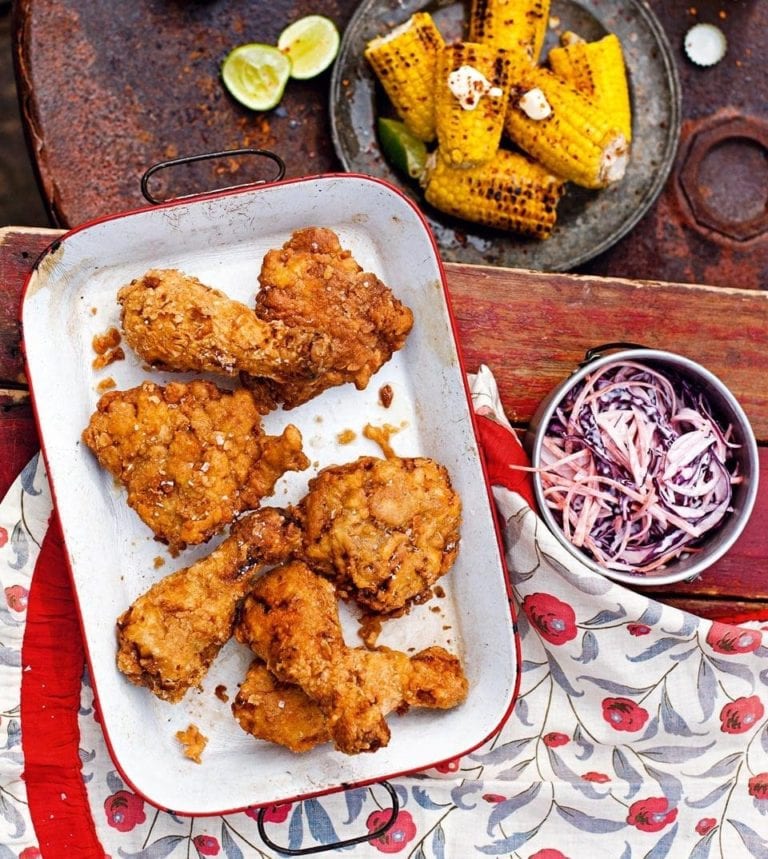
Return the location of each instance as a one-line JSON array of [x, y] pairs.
[[290, 621], [190, 455], [171, 634], [175, 322], [282, 713], [312, 282]]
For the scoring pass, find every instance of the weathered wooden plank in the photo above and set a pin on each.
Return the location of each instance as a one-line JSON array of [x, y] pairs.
[[19, 248], [532, 329], [721, 609]]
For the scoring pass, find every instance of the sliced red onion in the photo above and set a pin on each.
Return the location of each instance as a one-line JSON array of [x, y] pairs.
[[635, 468]]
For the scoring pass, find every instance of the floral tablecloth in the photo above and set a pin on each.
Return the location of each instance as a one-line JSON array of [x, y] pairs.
[[639, 730]]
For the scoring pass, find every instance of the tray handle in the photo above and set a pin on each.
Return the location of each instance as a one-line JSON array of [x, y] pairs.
[[336, 845], [598, 351], [209, 156]]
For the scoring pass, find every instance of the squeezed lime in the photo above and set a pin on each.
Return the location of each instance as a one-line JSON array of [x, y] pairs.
[[256, 75], [311, 43]]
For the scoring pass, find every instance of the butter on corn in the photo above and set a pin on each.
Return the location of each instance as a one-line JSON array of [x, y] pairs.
[[517, 26], [404, 62], [596, 69], [508, 193], [576, 140], [472, 89]]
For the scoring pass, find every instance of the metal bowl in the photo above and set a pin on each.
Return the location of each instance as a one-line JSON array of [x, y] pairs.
[[726, 411]]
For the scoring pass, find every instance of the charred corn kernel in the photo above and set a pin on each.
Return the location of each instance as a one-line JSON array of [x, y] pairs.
[[404, 61], [576, 140], [597, 70], [517, 26], [472, 89], [509, 193]]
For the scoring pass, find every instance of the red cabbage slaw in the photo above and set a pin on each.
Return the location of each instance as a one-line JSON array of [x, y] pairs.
[[635, 468]]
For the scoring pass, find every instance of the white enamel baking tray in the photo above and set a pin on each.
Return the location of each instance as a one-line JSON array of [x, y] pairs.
[[221, 239]]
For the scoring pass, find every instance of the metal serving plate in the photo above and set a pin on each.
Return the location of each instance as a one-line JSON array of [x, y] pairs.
[[222, 238], [589, 222]]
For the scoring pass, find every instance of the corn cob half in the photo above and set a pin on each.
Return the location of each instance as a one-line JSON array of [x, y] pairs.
[[596, 69], [404, 62], [472, 90], [517, 26], [571, 138], [509, 193]]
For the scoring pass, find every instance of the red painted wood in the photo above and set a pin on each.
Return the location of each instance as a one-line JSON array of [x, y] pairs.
[[531, 329]]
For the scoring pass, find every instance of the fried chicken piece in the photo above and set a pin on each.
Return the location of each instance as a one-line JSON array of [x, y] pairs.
[[171, 634], [193, 743], [290, 621], [190, 455], [174, 321], [384, 530], [311, 282], [282, 713]]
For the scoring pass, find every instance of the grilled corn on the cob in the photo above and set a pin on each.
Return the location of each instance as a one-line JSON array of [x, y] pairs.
[[472, 89], [508, 193], [404, 61], [574, 140], [518, 26], [596, 69]]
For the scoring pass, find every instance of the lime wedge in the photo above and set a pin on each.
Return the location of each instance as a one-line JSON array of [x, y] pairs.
[[401, 148], [256, 75], [311, 43]]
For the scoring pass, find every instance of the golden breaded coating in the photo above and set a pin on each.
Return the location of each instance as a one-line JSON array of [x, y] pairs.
[[174, 321], [171, 634], [290, 621], [311, 282], [384, 530], [190, 455], [282, 713]]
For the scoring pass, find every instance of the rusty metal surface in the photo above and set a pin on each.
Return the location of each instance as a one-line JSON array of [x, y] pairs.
[[109, 88], [674, 242]]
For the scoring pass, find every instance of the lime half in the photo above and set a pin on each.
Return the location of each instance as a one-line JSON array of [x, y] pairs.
[[256, 75], [401, 148], [311, 43]]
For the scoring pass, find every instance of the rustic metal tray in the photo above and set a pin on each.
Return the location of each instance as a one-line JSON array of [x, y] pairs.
[[222, 238]]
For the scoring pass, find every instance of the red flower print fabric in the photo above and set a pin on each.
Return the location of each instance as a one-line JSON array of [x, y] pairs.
[[651, 815], [638, 731], [623, 714], [124, 810], [732, 640], [397, 837], [553, 619], [741, 715]]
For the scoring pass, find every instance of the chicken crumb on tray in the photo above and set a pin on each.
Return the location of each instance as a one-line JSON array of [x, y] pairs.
[[193, 743]]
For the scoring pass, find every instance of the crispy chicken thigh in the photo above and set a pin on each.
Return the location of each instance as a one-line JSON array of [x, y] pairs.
[[282, 713], [312, 282], [290, 621], [175, 322], [190, 455], [383, 530], [171, 634]]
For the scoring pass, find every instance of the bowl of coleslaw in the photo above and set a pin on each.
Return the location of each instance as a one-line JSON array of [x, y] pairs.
[[645, 466]]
